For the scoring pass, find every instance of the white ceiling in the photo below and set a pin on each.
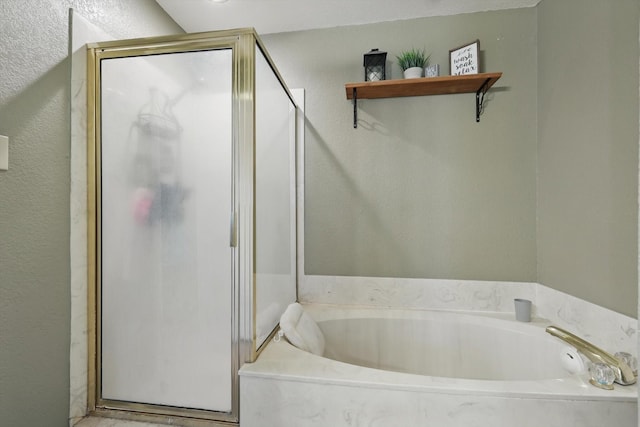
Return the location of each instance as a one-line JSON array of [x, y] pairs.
[[275, 16]]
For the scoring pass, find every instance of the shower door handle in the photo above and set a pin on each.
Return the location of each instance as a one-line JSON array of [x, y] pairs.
[[233, 235]]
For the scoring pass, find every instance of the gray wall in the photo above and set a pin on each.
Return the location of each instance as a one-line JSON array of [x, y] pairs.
[[34, 194], [419, 189], [588, 150]]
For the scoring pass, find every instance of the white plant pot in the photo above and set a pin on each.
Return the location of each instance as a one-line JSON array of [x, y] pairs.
[[413, 73]]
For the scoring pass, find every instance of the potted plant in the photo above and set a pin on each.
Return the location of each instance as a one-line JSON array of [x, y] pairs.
[[413, 62]]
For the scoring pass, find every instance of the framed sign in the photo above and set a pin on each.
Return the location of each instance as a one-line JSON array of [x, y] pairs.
[[465, 59]]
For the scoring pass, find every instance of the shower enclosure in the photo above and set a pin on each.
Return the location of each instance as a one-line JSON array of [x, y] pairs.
[[192, 243]]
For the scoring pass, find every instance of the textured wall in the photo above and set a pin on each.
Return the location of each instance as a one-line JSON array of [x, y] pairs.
[[588, 150], [34, 212], [419, 189]]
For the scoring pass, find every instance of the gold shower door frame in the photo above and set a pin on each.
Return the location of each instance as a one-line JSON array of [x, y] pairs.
[[243, 44]]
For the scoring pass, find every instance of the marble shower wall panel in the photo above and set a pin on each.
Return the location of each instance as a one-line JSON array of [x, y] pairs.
[[82, 32]]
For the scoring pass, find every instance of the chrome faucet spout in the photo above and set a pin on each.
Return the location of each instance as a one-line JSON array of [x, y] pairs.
[[623, 373]]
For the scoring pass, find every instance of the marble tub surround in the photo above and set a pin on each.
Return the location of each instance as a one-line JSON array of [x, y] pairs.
[[289, 387], [423, 294], [303, 404], [605, 328]]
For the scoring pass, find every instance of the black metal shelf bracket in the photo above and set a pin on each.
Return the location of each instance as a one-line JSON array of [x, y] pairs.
[[355, 108], [480, 98]]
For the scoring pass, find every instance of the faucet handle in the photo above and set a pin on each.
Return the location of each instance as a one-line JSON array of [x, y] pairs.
[[602, 375], [629, 359]]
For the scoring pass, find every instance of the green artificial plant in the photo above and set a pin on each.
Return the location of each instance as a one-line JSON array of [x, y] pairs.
[[413, 58]]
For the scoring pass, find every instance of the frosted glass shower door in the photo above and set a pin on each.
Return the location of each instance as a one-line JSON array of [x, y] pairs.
[[165, 261]]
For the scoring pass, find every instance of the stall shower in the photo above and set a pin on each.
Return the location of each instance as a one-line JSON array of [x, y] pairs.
[[192, 226]]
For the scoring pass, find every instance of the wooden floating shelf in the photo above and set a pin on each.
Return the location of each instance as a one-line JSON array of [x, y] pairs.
[[446, 85]]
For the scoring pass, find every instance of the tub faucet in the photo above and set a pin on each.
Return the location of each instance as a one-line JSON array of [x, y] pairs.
[[624, 375]]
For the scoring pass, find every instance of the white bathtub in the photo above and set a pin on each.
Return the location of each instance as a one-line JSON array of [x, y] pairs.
[[415, 368], [447, 345]]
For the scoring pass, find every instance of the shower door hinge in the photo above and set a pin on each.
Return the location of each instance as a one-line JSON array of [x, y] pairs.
[[233, 238]]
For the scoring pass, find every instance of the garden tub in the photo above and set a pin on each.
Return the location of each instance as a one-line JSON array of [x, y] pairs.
[[388, 367]]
